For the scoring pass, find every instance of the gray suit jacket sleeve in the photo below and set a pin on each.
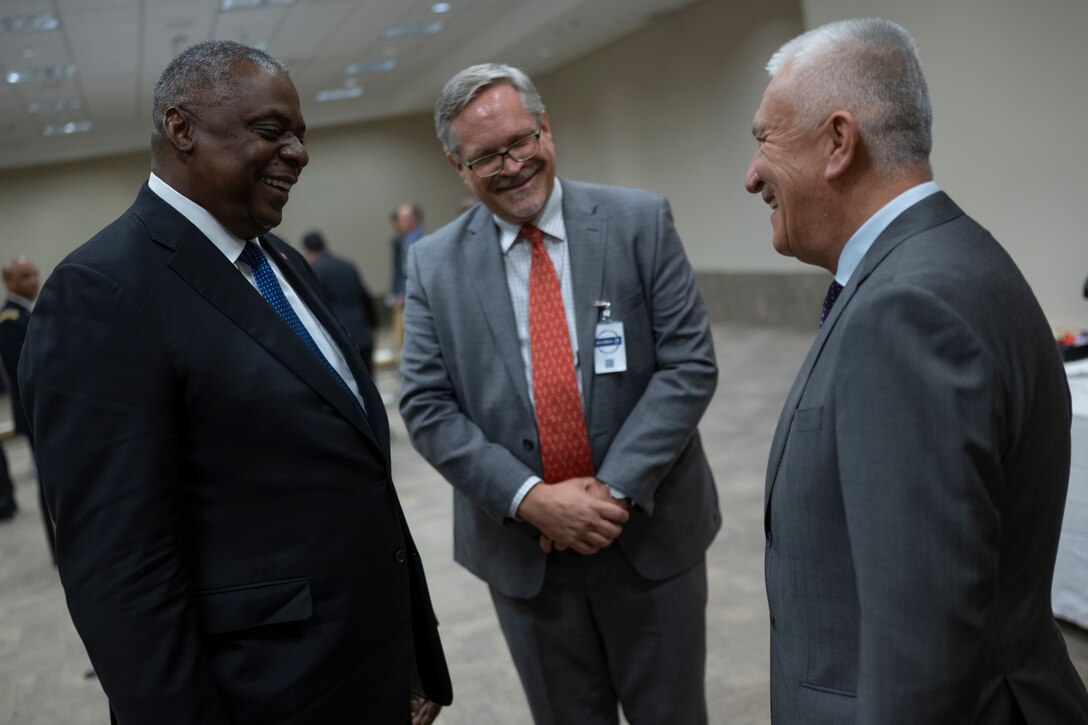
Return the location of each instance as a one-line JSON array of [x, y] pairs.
[[923, 393], [487, 472], [660, 425]]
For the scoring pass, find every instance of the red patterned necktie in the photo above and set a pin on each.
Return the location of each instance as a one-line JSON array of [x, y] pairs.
[[564, 443]]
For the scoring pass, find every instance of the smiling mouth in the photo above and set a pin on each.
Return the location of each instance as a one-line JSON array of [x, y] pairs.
[[280, 184], [518, 181]]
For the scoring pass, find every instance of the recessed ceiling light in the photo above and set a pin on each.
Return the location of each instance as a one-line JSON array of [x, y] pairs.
[[338, 94], [56, 105], [63, 129], [37, 75], [414, 31], [374, 66], [229, 5], [440, 8], [29, 23]]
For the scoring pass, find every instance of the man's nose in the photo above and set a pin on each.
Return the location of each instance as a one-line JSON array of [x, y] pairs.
[[294, 151], [516, 165], [752, 182]]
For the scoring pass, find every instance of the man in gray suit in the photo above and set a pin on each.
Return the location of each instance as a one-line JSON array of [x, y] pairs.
[[918, 474], [557, 360]]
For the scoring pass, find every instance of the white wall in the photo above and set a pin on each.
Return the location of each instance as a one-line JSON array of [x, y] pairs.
[[356, 176], [669, 108]]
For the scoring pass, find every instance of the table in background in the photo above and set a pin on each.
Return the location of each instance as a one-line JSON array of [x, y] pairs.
[[1070, 591]]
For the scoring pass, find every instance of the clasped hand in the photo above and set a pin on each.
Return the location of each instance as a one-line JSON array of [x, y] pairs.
[[578, 513]]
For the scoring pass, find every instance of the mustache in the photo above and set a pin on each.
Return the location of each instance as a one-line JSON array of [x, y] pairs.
[[511, 181]]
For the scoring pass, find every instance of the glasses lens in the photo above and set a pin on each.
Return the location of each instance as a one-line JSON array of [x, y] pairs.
[[525, 149], [488, 165]]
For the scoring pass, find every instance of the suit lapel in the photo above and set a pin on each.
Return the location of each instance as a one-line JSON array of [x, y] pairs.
[[374, 423], [931, 211], [213, 277], [483, 258], [586, 244]]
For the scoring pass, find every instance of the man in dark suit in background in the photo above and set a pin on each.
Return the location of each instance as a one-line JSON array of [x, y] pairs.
[[21, 281], [918, 475], [582, 495], [214, 453], [347, 295]]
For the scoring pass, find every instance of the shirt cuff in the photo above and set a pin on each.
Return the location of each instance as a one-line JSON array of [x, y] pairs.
[[531, 481]]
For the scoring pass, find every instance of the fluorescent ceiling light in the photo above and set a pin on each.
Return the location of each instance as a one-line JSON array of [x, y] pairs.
[[56, 105], [374, 66], [37, 75], [338, 94], [414, 31], [29, 23], [63, 129], [439, 8], [229, 5]]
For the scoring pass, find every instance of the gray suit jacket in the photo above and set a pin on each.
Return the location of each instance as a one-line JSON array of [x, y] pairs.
[[466, 404], [915, 493]]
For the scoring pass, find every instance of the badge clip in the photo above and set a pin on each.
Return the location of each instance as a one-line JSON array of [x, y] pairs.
[[604, 310]]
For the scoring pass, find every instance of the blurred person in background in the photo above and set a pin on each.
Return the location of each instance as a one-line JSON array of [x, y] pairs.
[[347, 294]]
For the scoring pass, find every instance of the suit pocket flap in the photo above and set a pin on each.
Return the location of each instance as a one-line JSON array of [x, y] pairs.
[[807, 419], [253, 605]]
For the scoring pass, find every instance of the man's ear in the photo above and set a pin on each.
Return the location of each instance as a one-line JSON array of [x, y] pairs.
[[843, 139], [177, 127], [462, 170]]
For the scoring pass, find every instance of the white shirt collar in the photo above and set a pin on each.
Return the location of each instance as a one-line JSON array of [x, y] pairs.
[[549, 221], [227, 243], [21, 301], [863, 238]]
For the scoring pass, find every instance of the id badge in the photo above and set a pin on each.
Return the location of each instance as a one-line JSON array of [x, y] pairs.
[[609, 348]]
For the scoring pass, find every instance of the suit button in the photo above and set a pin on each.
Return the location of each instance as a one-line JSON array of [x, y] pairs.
[[399, 556], [770, 541], [527, 444], [772, 620]]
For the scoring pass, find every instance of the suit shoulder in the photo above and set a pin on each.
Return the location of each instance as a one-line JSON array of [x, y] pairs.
[[447, 237], [118, 243], [608, 195]]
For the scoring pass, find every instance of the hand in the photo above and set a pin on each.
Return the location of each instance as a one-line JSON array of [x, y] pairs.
[[577, 513], [424, 711]]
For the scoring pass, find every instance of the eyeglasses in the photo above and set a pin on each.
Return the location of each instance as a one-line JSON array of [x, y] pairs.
[[521, 151]]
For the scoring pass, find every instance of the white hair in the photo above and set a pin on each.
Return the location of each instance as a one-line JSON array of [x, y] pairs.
[[869, 67]]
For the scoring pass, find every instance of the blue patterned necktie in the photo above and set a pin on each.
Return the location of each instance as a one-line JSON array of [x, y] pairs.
[[270, 289], [829, 301]]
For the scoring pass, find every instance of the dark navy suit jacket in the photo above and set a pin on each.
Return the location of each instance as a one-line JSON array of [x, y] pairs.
[[229, 539]]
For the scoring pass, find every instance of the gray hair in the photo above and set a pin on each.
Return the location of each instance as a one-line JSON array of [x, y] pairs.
[[202, 69], [869, 67], [463, 87]]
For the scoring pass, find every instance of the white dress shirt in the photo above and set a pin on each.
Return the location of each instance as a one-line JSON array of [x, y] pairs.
[[231, 247]]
